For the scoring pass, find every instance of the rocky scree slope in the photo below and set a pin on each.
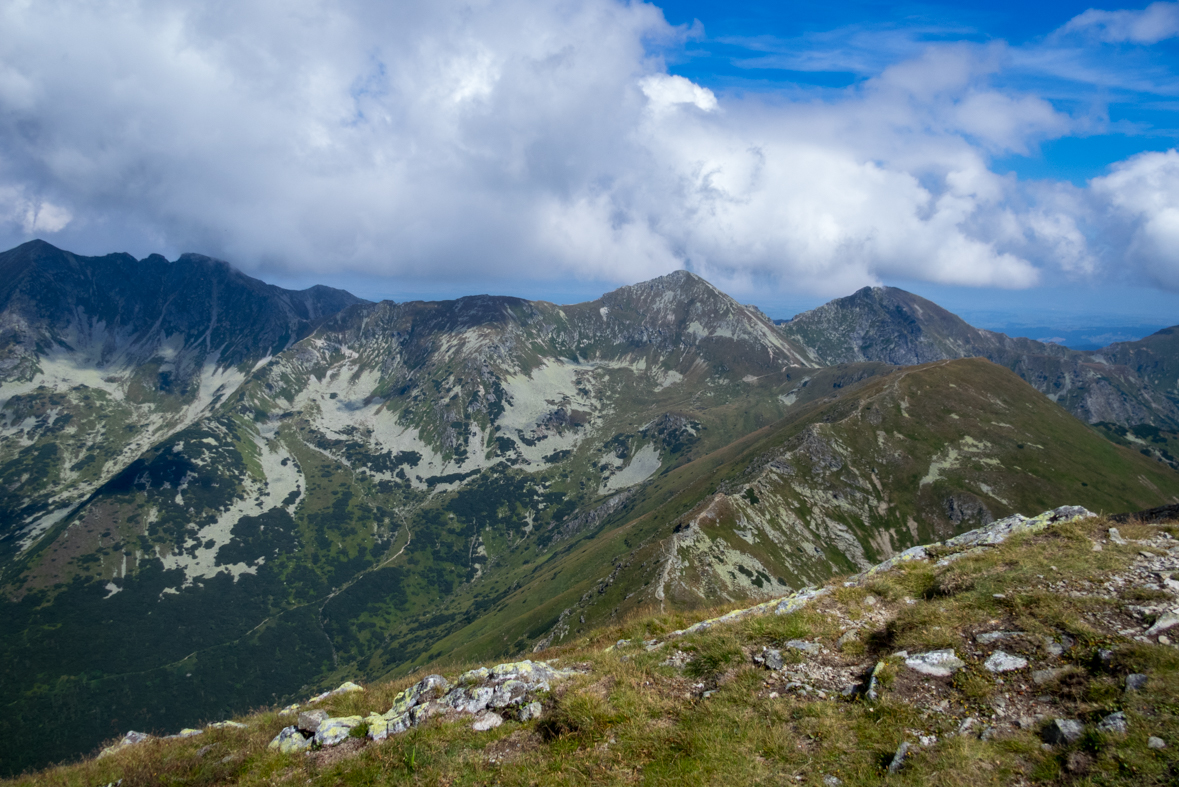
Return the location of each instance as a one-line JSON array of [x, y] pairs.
[[1030, 651], [1126, 384]]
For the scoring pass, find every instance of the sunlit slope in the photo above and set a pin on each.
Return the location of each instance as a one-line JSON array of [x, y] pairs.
[[906, 458]]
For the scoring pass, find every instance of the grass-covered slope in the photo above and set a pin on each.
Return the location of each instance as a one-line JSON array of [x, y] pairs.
[[827, 693]]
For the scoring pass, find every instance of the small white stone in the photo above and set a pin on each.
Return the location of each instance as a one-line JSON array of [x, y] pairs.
[[1004, 662], [486, 720]]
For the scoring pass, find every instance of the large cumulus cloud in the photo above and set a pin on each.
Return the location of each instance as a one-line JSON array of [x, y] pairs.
[[524, 138]]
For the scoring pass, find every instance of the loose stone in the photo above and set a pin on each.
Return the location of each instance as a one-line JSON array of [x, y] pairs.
[[1004, 662], [1063, 731], [938, 663]]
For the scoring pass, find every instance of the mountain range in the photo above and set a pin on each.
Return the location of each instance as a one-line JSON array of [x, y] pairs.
[[216, 493]]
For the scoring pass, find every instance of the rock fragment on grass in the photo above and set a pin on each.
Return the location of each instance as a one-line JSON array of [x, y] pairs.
[[1000, 661], [994, 636], [1136, 681], [1062, 731], [773, 659], [1114, 723], [937, 663], [1154, 742], [1042, 676], [898, 759], [804, 646]]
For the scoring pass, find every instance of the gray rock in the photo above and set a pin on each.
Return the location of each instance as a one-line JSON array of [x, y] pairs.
[[773, 659], [510, 692], [290, 741], [967, 725], [1136, 681], [1004, 662], [1062, 731], [994, 636], [332, 731], [1105, 658], [1155, 743], [1116, 537], [832, 781], [938, 663], [532, 710], [309, 721], [898, 759], [1166, 622], [470, 700], [1114, 723], [804, 646], [486, 720]]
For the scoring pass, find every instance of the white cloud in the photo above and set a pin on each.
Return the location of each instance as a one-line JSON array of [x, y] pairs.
[[1156, 22], [511, 138], [1144, 192]]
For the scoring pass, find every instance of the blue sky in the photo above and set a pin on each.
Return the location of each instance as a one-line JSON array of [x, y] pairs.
[[1013, 162]]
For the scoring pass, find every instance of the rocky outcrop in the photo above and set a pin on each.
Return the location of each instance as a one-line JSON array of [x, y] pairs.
[[486, 695]]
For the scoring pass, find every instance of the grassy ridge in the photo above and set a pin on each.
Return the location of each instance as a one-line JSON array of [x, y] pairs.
[[698, 710]]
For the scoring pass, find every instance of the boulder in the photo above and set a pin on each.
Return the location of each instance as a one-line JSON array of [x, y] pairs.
[[938, 663], [290, 741], [332, 731], [309, 721], [1004, 662], [1062, 731]]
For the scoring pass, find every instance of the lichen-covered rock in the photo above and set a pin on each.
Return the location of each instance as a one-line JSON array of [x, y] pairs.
[[428, 688], [332, 731], [1004, 662], [290, 710], [226, 725], [470, 700], [347, 687], [773, 659], [938, 663], [289, 741], [189, 732]]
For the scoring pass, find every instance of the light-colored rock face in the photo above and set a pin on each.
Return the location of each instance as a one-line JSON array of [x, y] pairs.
[[938, 663]]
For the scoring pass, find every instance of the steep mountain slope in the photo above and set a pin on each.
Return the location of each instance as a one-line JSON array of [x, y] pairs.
[[864, 472], [487, 475], [100, 357], [1127, 384]]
